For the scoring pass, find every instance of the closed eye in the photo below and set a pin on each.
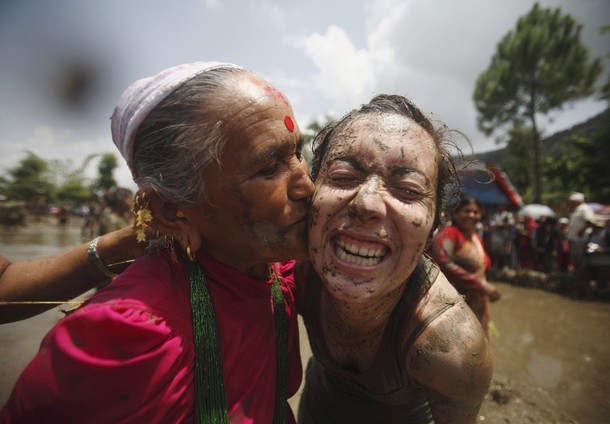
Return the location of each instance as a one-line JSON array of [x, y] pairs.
[[343, 179], [269, 170]]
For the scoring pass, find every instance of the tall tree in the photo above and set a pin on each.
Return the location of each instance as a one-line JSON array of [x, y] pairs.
[[313, 128], [108, 163], [30, 179], [538, 67], [70, 179], [517, 158], [604, 91]]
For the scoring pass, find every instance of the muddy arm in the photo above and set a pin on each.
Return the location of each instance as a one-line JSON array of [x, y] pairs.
[[452, 361]]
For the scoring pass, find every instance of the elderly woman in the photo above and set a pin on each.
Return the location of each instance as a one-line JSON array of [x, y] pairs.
[[459, 251], [179, 336], [393, 341]]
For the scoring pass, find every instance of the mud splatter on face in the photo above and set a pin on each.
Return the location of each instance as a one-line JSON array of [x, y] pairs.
[[383, 147]]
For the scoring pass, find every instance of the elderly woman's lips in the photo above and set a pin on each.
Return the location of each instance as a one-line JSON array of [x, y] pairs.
[[359, 252]]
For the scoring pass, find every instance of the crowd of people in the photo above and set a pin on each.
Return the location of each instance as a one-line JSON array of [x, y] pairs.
[[545, 243], [232, 238]]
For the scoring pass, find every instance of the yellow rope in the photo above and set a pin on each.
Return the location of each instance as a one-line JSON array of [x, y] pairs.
[[43, 302]]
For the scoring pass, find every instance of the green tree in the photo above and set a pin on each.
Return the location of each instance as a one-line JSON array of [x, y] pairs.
[[518, 160], [538, 67], [29, 179], [604, 91], [75, 191], [594, 171], [312, 129], [70, 180], [108, 163]]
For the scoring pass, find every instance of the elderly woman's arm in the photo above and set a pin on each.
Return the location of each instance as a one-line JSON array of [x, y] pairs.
[[62, 276]]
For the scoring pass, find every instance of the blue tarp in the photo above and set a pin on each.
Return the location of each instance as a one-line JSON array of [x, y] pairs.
[[490, 186]]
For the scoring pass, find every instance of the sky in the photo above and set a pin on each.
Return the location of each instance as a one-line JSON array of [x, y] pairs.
[[65, 63]]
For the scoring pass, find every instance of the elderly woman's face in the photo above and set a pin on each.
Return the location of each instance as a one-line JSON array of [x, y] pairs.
[[258, 197], [374, 206]]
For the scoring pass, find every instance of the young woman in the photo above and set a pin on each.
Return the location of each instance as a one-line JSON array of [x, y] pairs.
[[393, 341]]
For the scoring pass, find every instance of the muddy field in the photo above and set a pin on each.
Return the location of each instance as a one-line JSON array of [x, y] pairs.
[[551, 353]]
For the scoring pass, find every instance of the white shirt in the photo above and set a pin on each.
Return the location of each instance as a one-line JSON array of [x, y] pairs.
[[578, 221]]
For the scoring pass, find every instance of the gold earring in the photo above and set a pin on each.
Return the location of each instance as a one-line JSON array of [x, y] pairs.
[[180, 214], [189, 253], [143, 217]]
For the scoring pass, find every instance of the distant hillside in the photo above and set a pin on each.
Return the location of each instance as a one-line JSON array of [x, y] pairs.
[[550, 145]]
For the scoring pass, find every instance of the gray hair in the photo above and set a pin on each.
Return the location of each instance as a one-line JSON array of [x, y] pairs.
[[185, 134]]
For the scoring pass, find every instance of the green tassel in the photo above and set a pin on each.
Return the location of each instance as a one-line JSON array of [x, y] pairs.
[[210, 396], [281, 330]]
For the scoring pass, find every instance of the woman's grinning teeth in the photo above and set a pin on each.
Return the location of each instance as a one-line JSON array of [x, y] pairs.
[[360, 253]]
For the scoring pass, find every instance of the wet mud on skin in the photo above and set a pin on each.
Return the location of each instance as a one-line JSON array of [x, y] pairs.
[[551, 357]]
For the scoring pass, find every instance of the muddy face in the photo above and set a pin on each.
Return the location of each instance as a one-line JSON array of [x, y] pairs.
[[373, 207]]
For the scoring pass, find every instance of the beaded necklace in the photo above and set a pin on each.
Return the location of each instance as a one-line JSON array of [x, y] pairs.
[[210, 395]]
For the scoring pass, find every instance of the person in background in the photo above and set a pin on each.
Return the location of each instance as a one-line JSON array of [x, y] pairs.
[[562, 246], [459, 252], [392, 340], [581, 221], [545, 241], [93, 212], [202, 328], [63, 214], [116, 213], [502, 235], [525, 242]]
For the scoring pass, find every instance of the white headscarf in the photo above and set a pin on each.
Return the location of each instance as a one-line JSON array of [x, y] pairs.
[[141, 97]]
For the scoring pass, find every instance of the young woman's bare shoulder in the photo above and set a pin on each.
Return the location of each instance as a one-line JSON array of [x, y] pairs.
[[452, 351]]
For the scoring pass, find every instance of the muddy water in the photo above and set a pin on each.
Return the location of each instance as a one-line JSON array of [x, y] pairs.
[[19, 341], [552, 354], [555, 352]]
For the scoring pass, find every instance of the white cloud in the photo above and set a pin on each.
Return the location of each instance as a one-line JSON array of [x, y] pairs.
[[328, 57], [345, 73], [212, 4], [273, 13]]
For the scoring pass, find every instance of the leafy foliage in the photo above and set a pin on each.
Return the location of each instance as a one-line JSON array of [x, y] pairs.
[[54, 180], [573, 160], [313, 128], [29, 179], [108, 163], [537, 67]]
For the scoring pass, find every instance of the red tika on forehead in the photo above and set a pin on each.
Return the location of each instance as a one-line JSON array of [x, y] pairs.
[[289, 123], [269, 90]]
